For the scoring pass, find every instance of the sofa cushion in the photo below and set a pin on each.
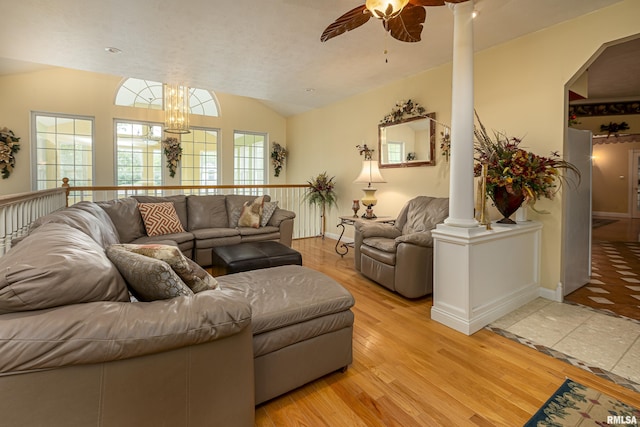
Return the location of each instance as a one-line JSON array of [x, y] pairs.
[[179, 203], [251, 213], [57, 265], [126, 218], [194, 276], [94, 223], [268, 208], [207, 212], [149, 279], [286, 295], [160, 218]]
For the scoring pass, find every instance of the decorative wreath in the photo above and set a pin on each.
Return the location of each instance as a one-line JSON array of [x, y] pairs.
[[173, 151], [8, 148]]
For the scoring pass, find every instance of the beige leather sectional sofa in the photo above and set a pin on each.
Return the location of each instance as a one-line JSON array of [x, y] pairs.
[[75, 351], [208, 221]]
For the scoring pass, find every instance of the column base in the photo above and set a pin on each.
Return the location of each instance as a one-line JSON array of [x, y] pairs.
[[480, 275]]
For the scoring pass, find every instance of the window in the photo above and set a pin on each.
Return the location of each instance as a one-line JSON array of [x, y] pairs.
[[395, 152], [64, 149], [138, 153], [249, 158], [199, 165], [149, 94]]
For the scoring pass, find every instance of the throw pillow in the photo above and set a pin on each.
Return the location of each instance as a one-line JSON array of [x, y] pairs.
[[194, 276], [267, 212], [149, 279], [160, 218], [251, 213]]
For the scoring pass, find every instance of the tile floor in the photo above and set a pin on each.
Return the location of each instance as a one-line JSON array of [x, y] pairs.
[[598, 326], [603, 343], [615, 279]]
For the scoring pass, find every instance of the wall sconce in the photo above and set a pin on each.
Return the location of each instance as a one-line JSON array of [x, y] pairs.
[[176, 109]]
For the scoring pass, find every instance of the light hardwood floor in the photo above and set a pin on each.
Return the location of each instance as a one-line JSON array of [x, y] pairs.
[[410, 371]]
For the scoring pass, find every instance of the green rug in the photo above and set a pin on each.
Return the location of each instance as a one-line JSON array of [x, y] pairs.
[[576, 405]]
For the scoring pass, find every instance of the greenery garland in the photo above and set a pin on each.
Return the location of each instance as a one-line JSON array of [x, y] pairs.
[[8, 148]]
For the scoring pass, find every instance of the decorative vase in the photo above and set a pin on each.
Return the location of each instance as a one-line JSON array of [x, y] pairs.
[[507, 203], [355, 207]]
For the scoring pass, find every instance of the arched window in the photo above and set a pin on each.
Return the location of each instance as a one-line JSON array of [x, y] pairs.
[[148, 94]]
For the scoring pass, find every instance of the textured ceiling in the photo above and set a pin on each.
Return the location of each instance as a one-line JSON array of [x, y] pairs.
[[265, 49]]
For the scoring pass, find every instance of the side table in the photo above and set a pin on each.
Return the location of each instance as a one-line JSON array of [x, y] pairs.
[[343, 248]]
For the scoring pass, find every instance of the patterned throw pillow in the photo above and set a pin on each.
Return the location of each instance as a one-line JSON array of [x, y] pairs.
[[267, 212], [149, 279], [194, 276], [160, 218], [251, 213]]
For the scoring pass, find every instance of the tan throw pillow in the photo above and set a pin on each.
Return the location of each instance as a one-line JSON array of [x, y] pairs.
[[251, 213], [160, 218], [194, 276], [149, 279]]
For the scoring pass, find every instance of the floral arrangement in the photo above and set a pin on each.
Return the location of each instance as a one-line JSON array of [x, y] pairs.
[[8, 148], [573, 120], [173, 151], [400, 109], [368, 152], [445, 144], [614, 128], [516, 169], [321, 191], [278, 156]]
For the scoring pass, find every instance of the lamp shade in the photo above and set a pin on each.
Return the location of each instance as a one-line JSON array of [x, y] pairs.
[[385, 9], [370, 173]]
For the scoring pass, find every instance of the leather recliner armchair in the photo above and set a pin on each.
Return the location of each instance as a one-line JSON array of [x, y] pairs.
[[400, 256]]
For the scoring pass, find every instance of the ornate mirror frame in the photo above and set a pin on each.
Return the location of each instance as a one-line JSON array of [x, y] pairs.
[[417, 136]]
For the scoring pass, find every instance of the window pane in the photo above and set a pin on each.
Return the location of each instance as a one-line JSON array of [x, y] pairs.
[[249, 158], [199, 165], [64, 149], [138, 154]]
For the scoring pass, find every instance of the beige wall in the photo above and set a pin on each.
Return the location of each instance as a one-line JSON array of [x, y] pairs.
[[611, 177], [519, 88], [65, 91]]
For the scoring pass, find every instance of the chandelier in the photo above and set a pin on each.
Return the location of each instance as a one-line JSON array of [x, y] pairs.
[[176, 109]]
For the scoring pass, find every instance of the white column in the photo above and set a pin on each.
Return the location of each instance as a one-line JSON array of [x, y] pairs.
[[461, 178]]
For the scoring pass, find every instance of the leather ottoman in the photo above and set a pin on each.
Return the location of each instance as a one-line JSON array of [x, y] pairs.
[[254, 255], [302, 325]]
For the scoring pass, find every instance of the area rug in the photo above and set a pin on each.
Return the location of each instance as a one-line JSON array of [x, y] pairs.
[[574, 404]]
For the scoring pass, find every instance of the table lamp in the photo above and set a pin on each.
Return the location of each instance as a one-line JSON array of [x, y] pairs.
[[369, 174]]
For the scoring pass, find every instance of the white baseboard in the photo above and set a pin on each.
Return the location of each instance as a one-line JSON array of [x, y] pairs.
[[612, 214], [335, 236], [556, 294]]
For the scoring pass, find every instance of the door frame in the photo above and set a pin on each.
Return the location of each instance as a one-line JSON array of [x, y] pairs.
[[634, 183]]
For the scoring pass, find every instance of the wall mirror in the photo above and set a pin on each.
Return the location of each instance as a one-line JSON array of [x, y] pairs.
[[407, 142]]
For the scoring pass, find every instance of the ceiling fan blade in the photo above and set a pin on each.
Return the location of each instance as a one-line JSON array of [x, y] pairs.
[[347, 22], [427, 2], [407, 27]]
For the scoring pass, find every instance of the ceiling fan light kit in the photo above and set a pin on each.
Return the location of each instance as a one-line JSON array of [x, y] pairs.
[[403, 19], [385, 9]]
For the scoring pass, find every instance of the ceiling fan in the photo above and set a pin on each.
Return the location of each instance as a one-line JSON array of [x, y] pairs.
[[403, 19]]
